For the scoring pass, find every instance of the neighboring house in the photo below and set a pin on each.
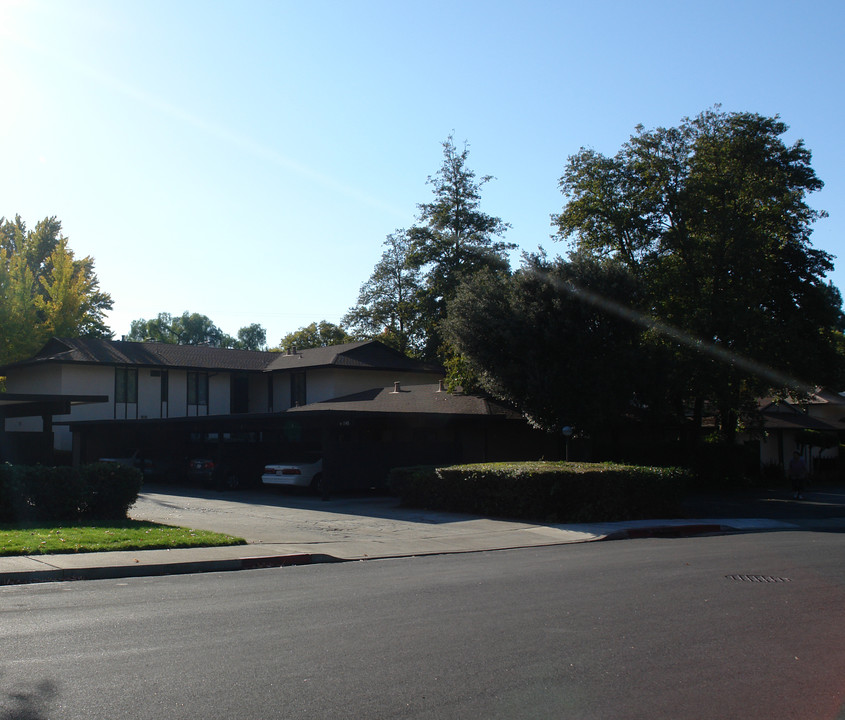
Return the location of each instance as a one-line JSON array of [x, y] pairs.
[[785, 423], [156, 381]]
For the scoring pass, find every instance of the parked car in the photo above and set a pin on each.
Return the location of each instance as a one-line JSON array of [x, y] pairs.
[[306, 474], [228, 474], [145, 465]]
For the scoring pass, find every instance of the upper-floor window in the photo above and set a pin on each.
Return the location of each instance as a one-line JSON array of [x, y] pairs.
[[297, 389], [126, 385], [197, 388]]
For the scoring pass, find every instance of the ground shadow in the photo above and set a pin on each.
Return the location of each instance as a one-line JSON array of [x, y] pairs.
[[30, 700]]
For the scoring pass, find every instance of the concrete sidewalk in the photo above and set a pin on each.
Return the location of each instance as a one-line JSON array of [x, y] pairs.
[[284, 529]]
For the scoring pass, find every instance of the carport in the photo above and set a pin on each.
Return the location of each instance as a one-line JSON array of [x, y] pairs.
[[30, 446]]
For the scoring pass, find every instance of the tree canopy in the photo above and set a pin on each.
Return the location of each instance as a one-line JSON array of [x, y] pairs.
[[317, 334], [712, 217], [532, 339], [453, 240], [195, 329], [45, 290], [388, 305]]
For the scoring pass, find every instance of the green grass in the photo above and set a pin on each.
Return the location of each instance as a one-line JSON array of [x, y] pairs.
[[128, 535]]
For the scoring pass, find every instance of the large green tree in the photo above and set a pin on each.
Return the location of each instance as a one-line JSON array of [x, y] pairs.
[[194, 329], [45, 290], [452, 240], [539, 340], [317, 334], [388, 305], [251, 337], [712, 216]]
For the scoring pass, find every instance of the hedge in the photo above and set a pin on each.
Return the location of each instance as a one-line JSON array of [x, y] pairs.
[[546, 491], [100, 491]]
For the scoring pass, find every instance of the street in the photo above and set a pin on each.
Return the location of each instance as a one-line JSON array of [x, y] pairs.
[[738, 626]]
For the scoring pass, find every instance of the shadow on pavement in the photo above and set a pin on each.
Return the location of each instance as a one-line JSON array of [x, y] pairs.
[[821, 502]]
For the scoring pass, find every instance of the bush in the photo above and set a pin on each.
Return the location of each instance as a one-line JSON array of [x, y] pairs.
[[48, 493], [8, 493], [110, 490], [102, 491], [551, 492]]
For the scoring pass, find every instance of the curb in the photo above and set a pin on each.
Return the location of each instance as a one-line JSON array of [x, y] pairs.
[[668, 531], [180, 568]]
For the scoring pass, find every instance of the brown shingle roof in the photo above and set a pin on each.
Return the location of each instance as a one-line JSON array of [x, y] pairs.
[[366, 354], [425, 399], [147, 354]]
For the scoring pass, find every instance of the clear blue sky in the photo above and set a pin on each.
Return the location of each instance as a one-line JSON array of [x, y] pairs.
[[245, 160]]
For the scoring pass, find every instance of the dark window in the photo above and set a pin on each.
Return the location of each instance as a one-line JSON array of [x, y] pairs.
[[240, 394], [126, 385], [297, 389], [197, 388], [165, 386]]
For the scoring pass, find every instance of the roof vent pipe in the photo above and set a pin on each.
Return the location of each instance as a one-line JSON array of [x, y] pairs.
[[396, 387], [441, 386]]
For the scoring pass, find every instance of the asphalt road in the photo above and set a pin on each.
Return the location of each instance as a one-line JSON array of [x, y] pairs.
[[744, 626]]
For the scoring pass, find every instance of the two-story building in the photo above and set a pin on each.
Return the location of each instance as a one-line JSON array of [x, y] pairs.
[[365, 407]]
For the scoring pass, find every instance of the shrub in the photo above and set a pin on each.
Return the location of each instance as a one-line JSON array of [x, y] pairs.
[[102, 491], [48, 493], [554, 492], [8, 493], [110, 490]]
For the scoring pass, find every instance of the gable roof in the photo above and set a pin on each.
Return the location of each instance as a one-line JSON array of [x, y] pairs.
[[422, 399], [368, 355], [96, 351], [362, 355]]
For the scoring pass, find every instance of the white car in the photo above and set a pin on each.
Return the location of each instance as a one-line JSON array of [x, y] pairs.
[[296, 474]]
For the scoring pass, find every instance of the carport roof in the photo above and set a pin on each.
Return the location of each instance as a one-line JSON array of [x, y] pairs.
[[36, 404]]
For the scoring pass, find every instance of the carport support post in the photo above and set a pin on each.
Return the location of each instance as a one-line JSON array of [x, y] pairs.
[[328, 442], [47, 433]]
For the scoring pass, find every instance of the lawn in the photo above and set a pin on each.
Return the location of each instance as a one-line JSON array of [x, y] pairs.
[[46, 539]]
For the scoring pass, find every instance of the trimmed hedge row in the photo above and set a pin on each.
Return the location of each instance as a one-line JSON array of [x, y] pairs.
[[546, 491], [100, 491]]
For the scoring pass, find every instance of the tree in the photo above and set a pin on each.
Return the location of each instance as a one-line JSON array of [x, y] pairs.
[[388, 305], [536, 340], [316, 335], [45, 290], [251, 337], [712, 217], [186, 329], [453, 239]]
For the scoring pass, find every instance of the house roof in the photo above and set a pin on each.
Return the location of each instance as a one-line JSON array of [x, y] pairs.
[[369, 354], [96, 351], [790, 416], [366, 355], [420, 399]]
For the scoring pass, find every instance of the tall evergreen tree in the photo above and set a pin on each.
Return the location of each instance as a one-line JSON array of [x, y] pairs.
[[388, 305], [453, 239]]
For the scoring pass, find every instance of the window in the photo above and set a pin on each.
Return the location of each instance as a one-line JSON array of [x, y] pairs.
[[197, 388], [239, 401], [297, 389], [125, 385]]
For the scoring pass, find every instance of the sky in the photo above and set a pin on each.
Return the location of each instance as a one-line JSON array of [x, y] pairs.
[[246, 159]]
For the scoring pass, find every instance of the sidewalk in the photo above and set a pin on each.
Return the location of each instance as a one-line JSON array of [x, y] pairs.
[[294, 530]]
